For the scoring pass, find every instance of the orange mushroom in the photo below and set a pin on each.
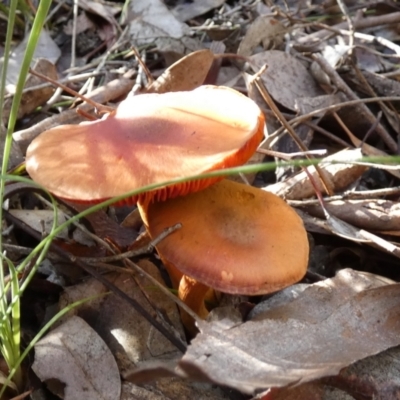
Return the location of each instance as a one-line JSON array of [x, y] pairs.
[[234, 238], [150, 138]]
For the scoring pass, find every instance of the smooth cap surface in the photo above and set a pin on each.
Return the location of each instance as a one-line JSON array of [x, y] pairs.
[[150, 138], [234, 238]]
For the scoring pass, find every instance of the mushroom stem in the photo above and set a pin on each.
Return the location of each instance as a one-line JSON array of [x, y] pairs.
[[190, 291], [193, 294]]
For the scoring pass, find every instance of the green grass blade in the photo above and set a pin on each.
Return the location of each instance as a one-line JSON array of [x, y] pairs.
[[43, 9], [41, 333]]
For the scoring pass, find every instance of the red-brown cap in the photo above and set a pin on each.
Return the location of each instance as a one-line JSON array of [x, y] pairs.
[[150, 138], [234, 238]]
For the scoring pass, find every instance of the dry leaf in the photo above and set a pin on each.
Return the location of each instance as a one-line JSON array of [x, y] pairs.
[[377, 214], [152, 22], [188, 73], [265, 30], [340, 176], [286, 78], [34, 98], [101, 9], [41, 220], [305, 105], [46, 49], [191, 9], [313, 336], [372, 151], [375, 377], [130, 337], [332, 224], [83, 22], [75, 354], [173, 389], [308, 391], [107, 228]]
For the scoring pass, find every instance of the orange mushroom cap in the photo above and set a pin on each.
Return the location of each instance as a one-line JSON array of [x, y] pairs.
[[234, 238], [150, 138]]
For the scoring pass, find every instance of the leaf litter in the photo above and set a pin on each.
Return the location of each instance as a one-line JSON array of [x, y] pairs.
[[331, 339]]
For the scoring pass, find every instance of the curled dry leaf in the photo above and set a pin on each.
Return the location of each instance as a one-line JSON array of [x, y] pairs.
[[376, 377], [340, 175], [32, 99], [46, 48], [75, 354], [286, 78], [107, 228], [187, 10], [132, 339], [334, 225], [168, 389], [265, 30], [188, 73], [153, 22], [377, 215], [313, 336], [310, 391], [105, 11], [372, 151], [41, 220]]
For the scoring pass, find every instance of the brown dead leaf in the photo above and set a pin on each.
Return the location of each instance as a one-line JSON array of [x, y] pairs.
[[375, 377], [308, 391], [305, 105], [152, 22], [343, 229], [340, 176], [103, 10], [46, 49], [187, 10], [188, 73], [286, 78], [130, 337], [372, 151], [41, 220], [83, 23], [332, 224], [375, 214], [264, 29], [106, 228], [34, 98], [75, 354], [313, 336], [372, 378], [173, 389]]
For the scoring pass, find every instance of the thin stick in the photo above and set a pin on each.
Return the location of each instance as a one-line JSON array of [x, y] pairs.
[[291, 131], [91, 271], [143, 65], [341, 85], [302, 118], [289, 156], [345, 11], [97, 106], [164, 289], [74, 31], [133, 253]]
